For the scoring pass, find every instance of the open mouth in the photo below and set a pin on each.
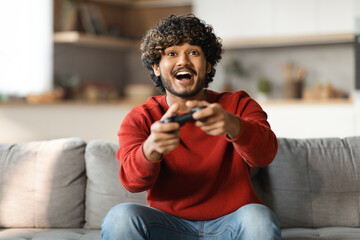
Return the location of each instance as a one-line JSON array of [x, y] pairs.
[[183, 75]]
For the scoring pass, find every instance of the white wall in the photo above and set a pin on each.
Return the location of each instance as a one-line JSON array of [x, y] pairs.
[[22, 122], [259, 18], [25, 47], [313, 120]]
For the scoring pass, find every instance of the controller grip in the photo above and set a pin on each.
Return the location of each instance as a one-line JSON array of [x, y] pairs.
[[192, 110], [170, 119], [184, 118]]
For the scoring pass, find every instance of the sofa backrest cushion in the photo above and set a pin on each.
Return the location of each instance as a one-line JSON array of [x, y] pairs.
[[42, 184], [104, 189], [314, 182]]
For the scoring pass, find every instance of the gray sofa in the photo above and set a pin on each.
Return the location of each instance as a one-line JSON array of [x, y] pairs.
[[61, 189]]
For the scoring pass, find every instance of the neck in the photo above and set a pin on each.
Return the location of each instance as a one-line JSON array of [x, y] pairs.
[[171, 99]]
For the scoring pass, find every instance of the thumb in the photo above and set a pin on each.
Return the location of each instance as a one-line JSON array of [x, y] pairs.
[[171, 111]]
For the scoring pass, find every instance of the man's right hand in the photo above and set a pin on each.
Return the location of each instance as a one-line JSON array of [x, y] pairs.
[[164, 137]]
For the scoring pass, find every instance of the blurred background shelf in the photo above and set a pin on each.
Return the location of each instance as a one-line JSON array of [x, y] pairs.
[[287, 41], [134, 101], [74, 37], [234, 43], [149, 3], [93, 53], [307, 101], [97, 44]]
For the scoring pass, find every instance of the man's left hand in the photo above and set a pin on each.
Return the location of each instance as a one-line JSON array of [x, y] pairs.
[[218, 121]]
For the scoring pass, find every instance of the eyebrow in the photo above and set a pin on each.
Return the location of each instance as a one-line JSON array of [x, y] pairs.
[[192, 47]]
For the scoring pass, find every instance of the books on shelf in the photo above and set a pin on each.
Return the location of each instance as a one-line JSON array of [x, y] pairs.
[[69, 16], [75, 37], [92, 19], [83, 17]]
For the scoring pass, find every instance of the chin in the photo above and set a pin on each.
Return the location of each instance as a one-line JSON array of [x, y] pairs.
[[184, 91], [186, 94]]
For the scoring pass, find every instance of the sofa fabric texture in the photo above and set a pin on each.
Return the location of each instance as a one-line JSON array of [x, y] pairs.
[[104, 189], [314, 183], [42, 184], [62, 189]]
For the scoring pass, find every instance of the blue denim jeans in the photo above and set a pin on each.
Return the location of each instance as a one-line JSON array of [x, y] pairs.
[[131, 221]]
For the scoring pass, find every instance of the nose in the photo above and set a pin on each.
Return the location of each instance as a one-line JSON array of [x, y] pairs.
[[183, 59]]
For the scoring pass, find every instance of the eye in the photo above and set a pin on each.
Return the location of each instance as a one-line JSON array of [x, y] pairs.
[[171, 54], [194, 52]]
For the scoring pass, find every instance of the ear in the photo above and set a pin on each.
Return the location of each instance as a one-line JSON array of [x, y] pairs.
[[156, 69], [208, 67]]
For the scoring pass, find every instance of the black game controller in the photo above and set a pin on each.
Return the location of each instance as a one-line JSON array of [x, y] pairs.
[[184, 118]]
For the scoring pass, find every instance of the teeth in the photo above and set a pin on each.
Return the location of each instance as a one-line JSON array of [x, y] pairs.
[[182, 73]]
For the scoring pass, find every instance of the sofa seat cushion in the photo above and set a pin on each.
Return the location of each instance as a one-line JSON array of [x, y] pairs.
[[42, 184], [314, 183], [49, 234], [331, 233], [103, 188]]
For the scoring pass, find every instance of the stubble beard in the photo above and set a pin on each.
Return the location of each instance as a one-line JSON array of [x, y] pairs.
[[200, 85]]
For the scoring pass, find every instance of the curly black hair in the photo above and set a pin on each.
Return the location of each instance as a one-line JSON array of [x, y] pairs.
[[176, 30]]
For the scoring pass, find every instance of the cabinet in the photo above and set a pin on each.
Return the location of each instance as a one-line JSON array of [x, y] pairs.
[[264, 36], [267, 18], [110, 23]]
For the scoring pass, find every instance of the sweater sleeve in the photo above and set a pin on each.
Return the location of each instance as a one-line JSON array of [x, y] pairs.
[[256, 143], [137, 174]]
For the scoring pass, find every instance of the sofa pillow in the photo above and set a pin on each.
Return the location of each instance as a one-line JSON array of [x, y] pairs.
[[42, 184], [104, 189], [315, 182]]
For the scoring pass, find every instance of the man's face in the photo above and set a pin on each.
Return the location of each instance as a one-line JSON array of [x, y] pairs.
[[183, 70]]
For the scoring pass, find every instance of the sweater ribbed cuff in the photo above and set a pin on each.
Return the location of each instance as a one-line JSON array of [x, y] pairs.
[[144, 163]]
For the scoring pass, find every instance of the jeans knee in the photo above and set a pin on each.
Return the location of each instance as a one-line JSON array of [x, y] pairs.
[[120, 220], [258, 220], [256, 213]]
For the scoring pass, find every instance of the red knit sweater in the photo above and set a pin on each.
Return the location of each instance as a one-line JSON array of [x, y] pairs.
[[205, 177]]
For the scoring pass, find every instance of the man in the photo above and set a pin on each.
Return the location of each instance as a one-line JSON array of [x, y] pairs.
[[197, 176]]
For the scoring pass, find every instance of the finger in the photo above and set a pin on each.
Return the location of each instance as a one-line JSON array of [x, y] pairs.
[[171, 111], [167, 149], [214, 130], [166, 135], [166, 128], [209, 112], [209, 121], [215, 125], [168, 145], [195, 103]]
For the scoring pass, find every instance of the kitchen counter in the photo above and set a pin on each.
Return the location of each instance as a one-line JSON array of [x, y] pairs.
[[20, 121]]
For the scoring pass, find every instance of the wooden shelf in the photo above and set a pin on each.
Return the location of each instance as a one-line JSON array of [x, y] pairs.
[[94, 40], [161, 3], [284, 41], [307, 101], [126, 102], [148, 3]]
